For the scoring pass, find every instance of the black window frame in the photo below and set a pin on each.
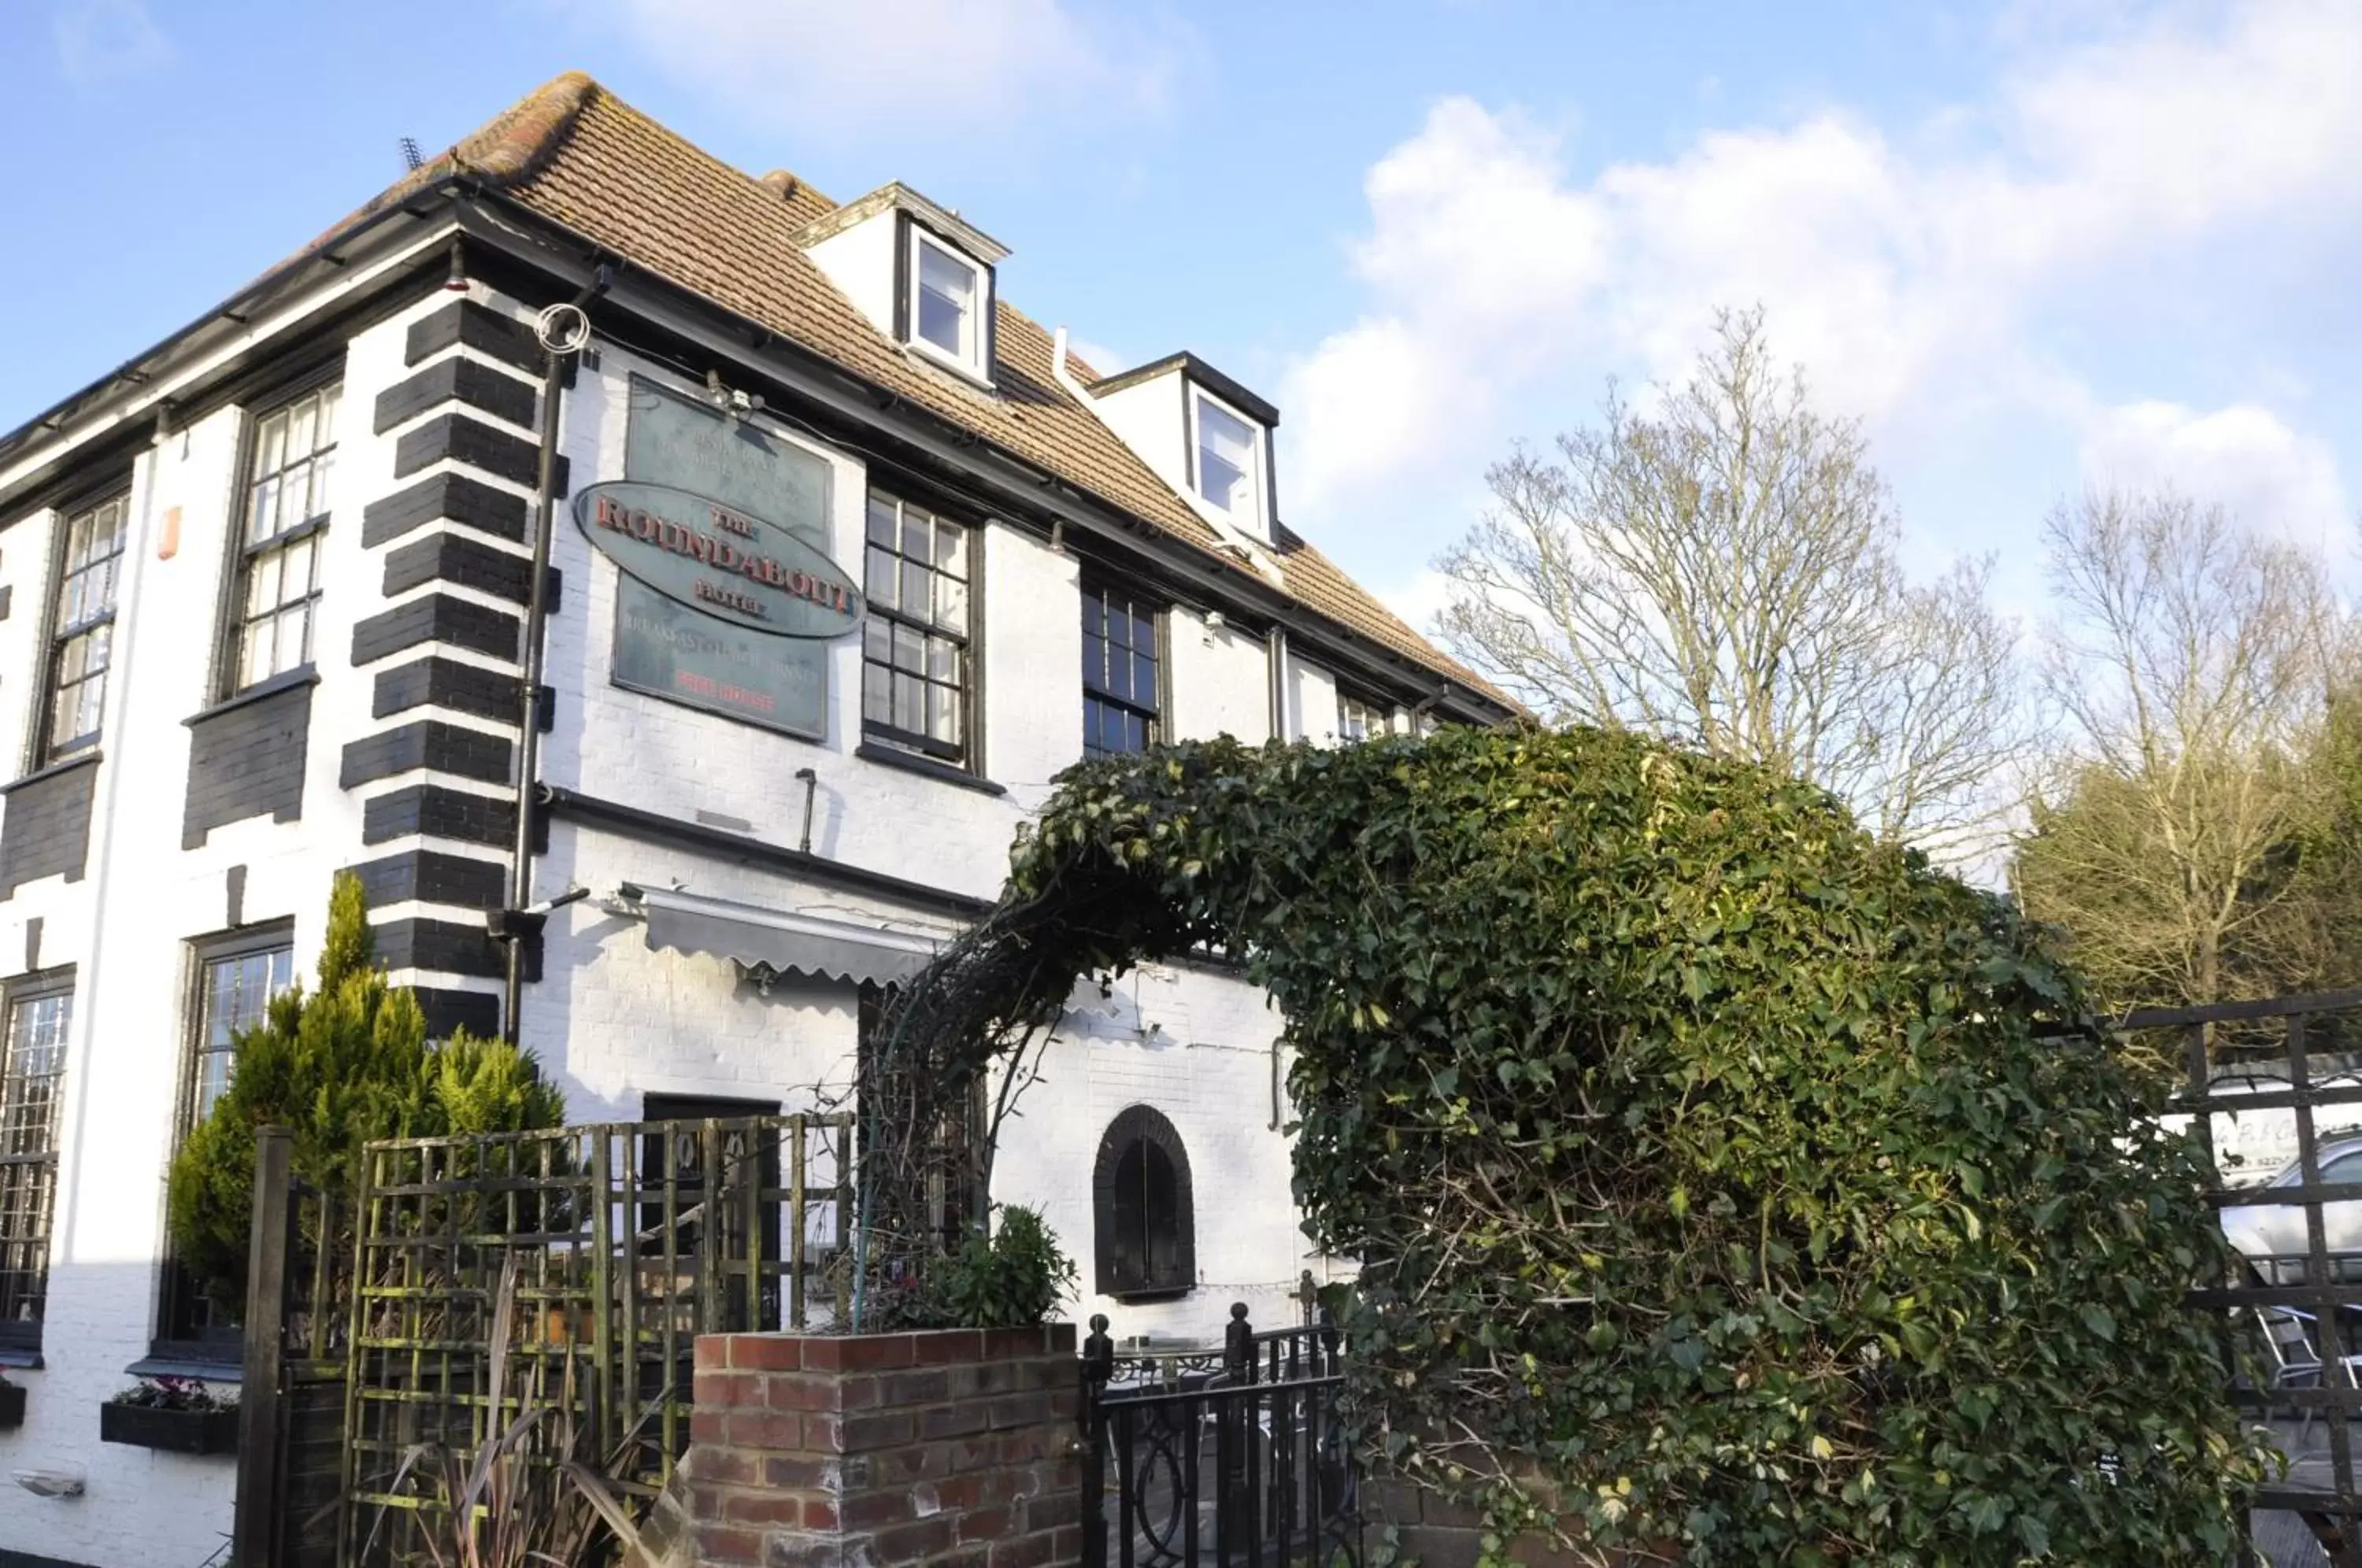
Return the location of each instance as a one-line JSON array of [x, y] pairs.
[[966, 754], [187, 1326], [246, 553], [1102, 695], [1128, 1268], [49, 745], [18, 1333]]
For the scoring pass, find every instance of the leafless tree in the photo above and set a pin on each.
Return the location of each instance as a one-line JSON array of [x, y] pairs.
[[1725, 569], [2193, 669]]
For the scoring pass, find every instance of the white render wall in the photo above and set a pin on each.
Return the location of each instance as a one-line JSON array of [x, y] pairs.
[[1220, 680], [1202, 1048], [613, 1021], [125, 926]]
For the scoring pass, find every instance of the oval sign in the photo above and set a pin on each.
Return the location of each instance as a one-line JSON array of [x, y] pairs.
[[719, 560]]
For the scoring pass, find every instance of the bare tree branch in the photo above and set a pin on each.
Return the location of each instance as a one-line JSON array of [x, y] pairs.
[[2193, 673], [1725, 572]]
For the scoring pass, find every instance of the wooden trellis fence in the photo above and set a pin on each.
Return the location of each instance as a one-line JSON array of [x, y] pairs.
[[629, 1239]]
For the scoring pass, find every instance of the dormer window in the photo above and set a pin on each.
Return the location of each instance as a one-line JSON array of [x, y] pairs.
[[1203, 434], [942, 307], [1228, 460], [918, 270]]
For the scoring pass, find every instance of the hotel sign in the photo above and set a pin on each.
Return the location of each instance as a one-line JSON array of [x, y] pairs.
[[727, 596], [720, 561]]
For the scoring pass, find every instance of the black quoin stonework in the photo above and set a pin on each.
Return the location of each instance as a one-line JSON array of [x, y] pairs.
[[446, 683], [466, 324], [468, 502], [442, 683], [439, 812], [433, 877], [471, 563], [246, 759], [436, 618], [46, 830], [449, 947], [449, 1011], [427, 744], [461, 439], [469, 381]]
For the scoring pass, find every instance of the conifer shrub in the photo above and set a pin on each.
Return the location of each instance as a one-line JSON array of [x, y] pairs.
[[338, 1064]]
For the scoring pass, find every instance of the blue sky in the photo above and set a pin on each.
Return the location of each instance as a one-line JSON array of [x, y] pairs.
[[2032, 246]]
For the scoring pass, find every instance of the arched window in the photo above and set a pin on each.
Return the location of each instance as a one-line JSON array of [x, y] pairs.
[[1147, 1230]]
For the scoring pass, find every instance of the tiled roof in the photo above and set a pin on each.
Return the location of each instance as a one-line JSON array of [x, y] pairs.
[[577, 155]]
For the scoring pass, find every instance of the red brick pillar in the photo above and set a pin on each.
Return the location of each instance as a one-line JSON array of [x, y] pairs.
[[950, 1447]]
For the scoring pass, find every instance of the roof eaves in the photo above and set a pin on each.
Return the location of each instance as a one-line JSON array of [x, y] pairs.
[[1197, 370], [896, 195]]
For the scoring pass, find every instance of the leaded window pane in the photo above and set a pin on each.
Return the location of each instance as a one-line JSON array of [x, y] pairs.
[[235, 998], [32, 1076]]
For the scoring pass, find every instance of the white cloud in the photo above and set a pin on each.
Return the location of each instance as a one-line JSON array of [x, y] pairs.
[[1106, 361], [1906, 271], [2243, 457], [880, 69], [100, 40]]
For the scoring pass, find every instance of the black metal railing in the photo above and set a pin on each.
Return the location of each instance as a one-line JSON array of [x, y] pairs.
[[1249, 1463]]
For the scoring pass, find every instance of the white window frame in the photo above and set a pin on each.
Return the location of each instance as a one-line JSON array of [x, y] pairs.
[[1255, 519], [1380, 717], [972, 364]]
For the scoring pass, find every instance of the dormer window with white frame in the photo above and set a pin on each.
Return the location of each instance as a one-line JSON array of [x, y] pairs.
[[1203, 434], [1226, 459], [923, 274], [945, 300]]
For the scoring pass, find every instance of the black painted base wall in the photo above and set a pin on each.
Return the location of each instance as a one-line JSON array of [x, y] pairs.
[[248, 760], [46, 829]]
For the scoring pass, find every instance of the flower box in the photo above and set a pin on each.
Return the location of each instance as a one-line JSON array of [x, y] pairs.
[[12, 1406], [175, 1431]]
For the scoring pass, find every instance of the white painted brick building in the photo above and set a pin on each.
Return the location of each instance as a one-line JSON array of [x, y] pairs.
[[213, 701]]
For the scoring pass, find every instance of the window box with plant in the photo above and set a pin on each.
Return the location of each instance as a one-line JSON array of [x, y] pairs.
[[178, 1415]]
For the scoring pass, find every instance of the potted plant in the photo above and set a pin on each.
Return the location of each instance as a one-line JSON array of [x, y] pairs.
[[179, 1415], [11, 1404]]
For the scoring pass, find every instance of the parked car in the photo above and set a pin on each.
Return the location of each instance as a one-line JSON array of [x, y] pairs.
[[2271, 1236]]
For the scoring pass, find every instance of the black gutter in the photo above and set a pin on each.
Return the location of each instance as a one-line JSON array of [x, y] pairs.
[[1024, 489], [655, 827], [237, 312]]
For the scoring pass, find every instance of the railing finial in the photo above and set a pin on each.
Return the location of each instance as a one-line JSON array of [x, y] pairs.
[[1237, 1344]]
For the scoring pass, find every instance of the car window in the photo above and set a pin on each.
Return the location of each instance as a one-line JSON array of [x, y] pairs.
[[2347, 1166]]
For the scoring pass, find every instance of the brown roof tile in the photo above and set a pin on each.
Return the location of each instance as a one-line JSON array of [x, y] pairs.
[[574, 153]]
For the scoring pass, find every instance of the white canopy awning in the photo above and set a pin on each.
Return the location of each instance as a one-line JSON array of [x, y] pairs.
[[769, 942]]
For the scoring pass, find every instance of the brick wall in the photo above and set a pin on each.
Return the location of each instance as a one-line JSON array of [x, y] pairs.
[[946, 1447]]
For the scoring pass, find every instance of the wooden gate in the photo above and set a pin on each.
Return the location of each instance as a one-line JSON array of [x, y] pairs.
[[367, 1336], [626, 1241]]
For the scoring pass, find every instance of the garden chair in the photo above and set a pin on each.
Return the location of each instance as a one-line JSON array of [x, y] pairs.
[[2291, 1346]]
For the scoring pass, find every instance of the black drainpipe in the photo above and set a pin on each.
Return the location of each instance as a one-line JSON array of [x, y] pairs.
[[521, 922]]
